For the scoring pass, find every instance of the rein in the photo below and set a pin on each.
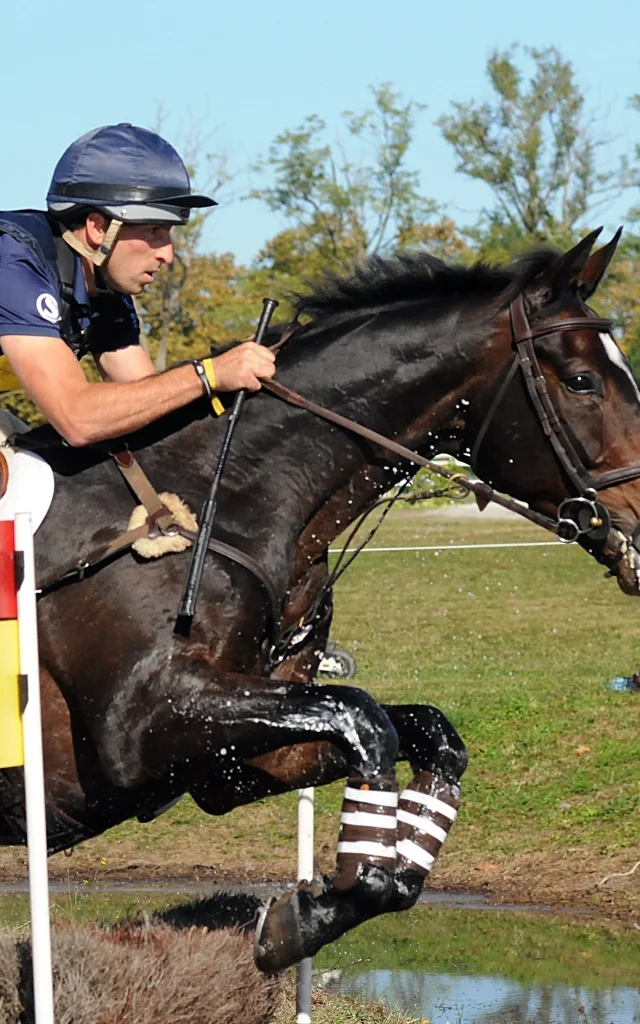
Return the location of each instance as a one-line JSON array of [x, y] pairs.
[[577, 515], [483, 492]]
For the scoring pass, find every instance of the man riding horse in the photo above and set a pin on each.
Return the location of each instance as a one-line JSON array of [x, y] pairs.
[[66, 281], [509, 364]]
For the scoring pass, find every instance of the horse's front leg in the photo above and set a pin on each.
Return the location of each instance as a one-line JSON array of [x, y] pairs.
[[181, 716], [426, 810], [284, 769], [184, 717], [428, 806]]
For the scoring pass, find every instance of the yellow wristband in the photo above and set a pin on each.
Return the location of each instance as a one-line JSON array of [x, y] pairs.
[[216, 404]]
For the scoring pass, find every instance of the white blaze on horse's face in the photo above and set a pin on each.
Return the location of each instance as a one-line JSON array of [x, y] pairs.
[[629, 582], [618, 359]]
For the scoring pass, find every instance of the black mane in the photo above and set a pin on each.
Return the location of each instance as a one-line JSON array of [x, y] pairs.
[[417, 276]]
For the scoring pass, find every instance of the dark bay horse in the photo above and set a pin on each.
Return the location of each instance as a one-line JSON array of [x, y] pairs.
[[135, 716]]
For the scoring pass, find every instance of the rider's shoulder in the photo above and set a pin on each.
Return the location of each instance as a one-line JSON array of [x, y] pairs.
[[21, 255], [27, 231], [13, 250]]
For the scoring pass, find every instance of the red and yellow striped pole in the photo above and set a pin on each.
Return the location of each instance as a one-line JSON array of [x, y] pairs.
[[11, 741], [21, 733]]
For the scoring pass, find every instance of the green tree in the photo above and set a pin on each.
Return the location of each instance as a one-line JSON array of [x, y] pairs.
[[340, 207], [537, 149]]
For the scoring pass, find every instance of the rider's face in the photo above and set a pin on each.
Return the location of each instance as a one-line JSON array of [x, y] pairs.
[[139, 253]]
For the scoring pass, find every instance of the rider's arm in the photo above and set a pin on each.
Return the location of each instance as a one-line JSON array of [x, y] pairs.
[[125, 364], [85, 412]]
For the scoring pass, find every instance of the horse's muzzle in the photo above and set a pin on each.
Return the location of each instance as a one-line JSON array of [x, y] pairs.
[[621, 553]]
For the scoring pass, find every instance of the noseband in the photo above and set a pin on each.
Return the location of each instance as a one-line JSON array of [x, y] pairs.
[[581, 514]]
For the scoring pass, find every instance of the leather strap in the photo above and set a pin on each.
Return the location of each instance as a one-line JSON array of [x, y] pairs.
[[78, 569], [502, 390], [159, 520], [526, 359], [483, 492], [242, 558], [553, 427]]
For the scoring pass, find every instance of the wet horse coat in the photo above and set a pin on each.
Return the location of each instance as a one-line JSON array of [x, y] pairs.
[[135, 716]]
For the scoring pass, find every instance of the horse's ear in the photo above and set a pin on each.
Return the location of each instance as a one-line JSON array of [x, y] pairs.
[[596, 266], [553, 281]]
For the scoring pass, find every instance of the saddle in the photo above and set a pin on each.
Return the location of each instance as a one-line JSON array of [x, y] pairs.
[[26, 480]]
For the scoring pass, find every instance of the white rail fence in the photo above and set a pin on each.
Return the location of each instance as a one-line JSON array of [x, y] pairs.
[[20, 711]]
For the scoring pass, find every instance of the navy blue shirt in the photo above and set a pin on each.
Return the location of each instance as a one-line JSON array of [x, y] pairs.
[[30, 304]]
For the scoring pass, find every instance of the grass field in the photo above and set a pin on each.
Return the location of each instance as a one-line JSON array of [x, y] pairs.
[[515, 646]]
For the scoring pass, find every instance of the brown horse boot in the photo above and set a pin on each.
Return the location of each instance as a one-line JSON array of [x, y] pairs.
[[426, 811], [366, 846]]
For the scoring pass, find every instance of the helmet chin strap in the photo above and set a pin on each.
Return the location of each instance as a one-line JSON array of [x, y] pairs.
[[95, 256]]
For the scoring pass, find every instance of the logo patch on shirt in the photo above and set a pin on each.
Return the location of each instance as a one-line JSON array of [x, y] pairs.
[[48, 308]]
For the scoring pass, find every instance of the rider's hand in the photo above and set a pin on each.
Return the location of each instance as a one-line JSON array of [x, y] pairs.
[[243, 367]]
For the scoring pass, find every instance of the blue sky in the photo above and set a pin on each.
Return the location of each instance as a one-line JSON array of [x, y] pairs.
[[247, 70]]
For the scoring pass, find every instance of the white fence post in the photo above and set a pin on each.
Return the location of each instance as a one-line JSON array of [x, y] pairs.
[[305, 871], [34, 777]]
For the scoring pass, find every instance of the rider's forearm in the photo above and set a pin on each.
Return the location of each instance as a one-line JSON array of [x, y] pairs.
[[96, 412]]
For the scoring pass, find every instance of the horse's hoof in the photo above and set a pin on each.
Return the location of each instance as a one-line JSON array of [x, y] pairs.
[[370, 883], [278, 942], [407, 887]]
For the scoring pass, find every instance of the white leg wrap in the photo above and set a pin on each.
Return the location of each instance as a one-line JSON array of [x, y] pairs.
[[368, 827], [426, 812]]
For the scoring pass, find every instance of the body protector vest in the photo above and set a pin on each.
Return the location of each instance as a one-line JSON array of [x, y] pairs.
[[42, 238]]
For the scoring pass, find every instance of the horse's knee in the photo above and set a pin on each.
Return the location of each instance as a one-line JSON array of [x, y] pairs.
[[428, 740], [460, 760], [367, 728], [451, 757]]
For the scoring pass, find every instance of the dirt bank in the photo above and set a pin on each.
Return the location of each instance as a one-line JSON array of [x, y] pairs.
[[572, 881]]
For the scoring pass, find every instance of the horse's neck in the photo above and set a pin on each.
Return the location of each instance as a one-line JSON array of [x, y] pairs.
[[308, 481]]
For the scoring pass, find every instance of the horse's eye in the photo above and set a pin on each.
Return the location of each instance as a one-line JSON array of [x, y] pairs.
[[581, 384]]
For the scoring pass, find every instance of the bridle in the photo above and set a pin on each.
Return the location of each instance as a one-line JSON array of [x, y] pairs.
[[581, 514]]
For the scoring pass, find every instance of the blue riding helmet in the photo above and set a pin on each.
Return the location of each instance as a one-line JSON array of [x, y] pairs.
[[129, 173]]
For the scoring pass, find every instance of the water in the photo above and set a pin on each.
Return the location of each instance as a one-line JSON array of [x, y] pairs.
[[453, 999], [454, 966], [454, 960]]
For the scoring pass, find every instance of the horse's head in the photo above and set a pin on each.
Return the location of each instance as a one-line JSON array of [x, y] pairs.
[[560, 427]]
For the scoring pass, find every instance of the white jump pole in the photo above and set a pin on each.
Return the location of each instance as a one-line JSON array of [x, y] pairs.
[[34, 777], [305, 871]]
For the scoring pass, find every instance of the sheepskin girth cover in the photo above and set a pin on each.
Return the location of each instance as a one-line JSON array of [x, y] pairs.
[[158, 546]]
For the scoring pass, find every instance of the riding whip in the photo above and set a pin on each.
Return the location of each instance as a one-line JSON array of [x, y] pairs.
[[187, 607]]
